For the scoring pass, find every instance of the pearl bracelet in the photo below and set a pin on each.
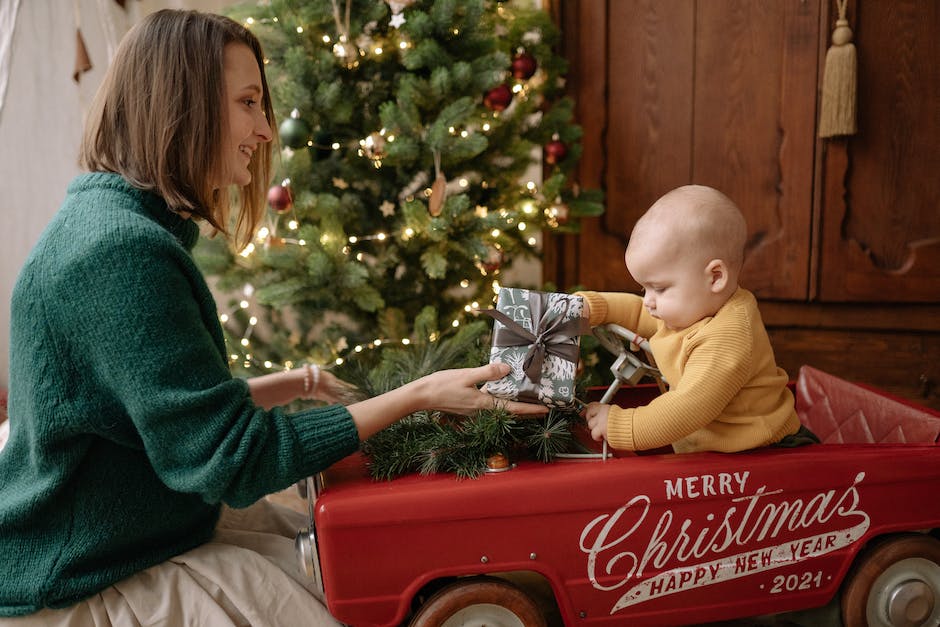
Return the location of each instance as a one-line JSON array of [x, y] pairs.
[[311, 381]]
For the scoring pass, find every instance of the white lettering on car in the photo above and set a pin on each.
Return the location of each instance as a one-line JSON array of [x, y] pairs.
[[680, 550]]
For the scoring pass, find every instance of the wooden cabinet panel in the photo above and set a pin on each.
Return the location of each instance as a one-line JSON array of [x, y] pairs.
[[844, 233], [899, 362], [881, 203], [673, 92], [755, 63]]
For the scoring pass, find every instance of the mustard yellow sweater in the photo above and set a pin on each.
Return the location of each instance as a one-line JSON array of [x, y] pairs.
[[726, 392]]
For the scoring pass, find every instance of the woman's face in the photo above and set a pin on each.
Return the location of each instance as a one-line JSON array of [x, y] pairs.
[[247, 125]]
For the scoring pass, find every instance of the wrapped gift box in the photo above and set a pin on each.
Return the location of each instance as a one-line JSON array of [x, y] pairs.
[[537, 334]]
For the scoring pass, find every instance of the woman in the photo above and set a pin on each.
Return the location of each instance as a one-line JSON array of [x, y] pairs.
[[127, 430]]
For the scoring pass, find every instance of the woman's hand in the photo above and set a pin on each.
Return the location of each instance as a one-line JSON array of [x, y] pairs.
[[457, 392], [281, 388], [332, 389], [452, 391]]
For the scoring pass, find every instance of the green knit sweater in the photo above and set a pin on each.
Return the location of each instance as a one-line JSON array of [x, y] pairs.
[[127, 429]]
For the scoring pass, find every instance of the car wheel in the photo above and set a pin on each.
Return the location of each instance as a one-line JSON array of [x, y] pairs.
[[479, 601], [896, 584]]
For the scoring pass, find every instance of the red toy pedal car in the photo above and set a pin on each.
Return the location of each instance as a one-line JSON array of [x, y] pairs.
[[658, 539]]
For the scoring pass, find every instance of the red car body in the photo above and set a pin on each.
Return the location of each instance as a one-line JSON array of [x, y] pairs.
[[660, 539]]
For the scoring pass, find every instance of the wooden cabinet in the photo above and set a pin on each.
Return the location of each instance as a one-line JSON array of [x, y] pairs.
[[844, 247]]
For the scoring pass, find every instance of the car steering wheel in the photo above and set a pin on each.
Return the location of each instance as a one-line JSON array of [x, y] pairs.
[[627, 367]]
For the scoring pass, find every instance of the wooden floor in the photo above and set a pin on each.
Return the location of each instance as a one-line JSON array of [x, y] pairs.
[[539, 590]]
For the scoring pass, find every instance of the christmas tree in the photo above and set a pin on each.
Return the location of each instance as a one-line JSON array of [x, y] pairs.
[[408, 131]]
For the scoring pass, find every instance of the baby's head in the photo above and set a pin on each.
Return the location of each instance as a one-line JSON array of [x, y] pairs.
[[686, 252]]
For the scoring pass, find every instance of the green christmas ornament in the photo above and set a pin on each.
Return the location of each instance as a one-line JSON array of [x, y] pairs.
[[294, 132]]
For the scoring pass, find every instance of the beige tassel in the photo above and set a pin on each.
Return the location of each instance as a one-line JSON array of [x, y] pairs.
[[837, 111], [82, 60]]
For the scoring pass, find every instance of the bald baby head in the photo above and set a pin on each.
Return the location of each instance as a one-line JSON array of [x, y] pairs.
[[686, 252], [696, 220]]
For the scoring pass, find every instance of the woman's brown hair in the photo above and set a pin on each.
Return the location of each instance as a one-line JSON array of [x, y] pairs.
[[158, 117]]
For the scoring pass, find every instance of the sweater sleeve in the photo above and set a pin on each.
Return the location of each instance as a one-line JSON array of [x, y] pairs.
[[144, 338], [620, 308], [718, 363]]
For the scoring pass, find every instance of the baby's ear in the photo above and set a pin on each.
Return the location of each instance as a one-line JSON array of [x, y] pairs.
[[718, 277]]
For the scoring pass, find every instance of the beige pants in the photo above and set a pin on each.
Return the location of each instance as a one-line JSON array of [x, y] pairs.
[[248, 574]]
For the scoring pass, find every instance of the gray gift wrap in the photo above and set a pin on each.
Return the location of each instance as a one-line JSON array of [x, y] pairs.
[[537, 334]]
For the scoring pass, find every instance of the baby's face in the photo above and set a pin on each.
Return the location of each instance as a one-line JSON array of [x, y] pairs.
[[676, 284]]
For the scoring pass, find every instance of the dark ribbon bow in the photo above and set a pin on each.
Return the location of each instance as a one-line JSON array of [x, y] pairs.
[[549, 337]]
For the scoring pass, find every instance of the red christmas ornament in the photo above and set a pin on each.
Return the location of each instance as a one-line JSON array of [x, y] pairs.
[[555, 151], [279, 198], [493, 261], [523, 66], [498, 98]]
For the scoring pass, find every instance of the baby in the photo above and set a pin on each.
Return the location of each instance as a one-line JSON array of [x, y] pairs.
[[726, 392]]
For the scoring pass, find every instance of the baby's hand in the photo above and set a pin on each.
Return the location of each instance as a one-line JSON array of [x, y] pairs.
[[596, 416]]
